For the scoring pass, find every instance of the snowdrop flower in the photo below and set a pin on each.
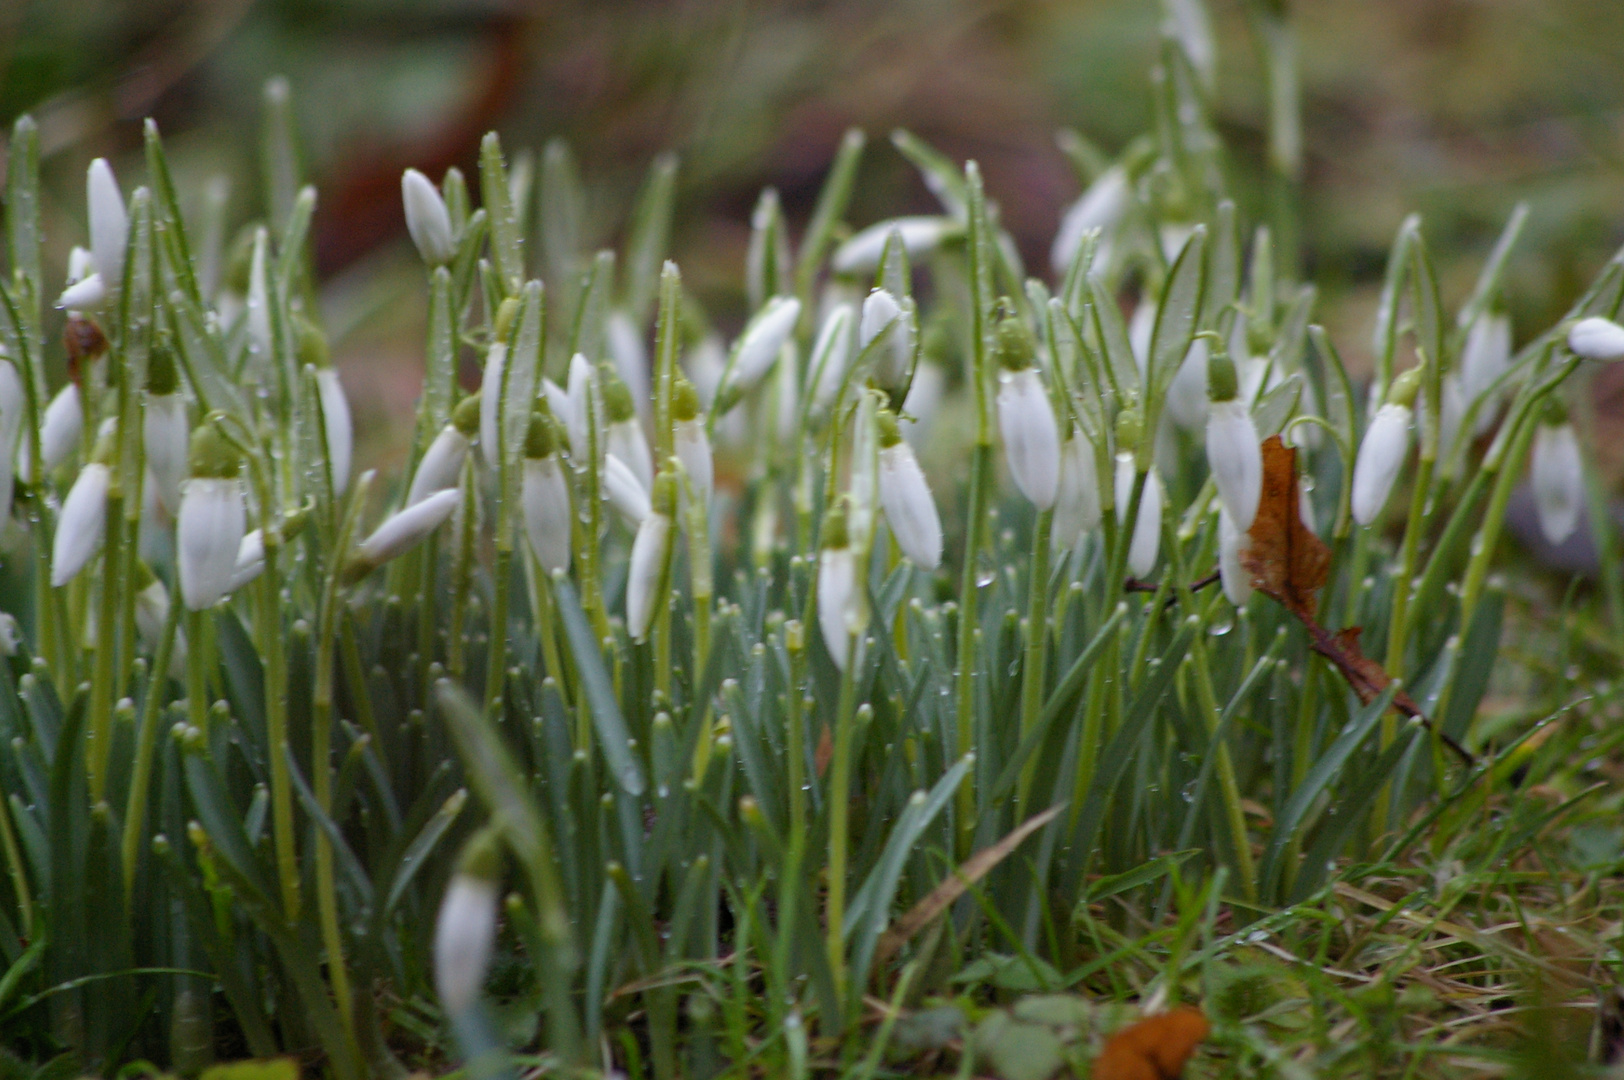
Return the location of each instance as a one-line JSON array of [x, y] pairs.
[[842, 614], [1077, 503], [920, 236], [151, 613], [1141, 328], [80, 526], [165, 433], [211, 523], [1557, 476], [1187, 394], [441, 466], [1386, 444], [624, 437], [13, 402], [545, 495], [1099, 207], [427, 219], [109, 222], [1145, 544], [905, 497], [758, 346], [87, 294], [1597, 339], [335, 407], [250, 560], [1025, 418], [490, 385], [1451, 411], [689, 440], [624, 343], [403, 531], [465, 930], [1484, 358], [583, 406], [651, 551], [1233, 451], [1305, 505], [1232, 546], [831, 353], [924, 400], [893, 362], [628, 496], [59, 432]]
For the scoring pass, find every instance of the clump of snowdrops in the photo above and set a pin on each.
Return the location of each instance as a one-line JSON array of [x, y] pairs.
[[734, 679]]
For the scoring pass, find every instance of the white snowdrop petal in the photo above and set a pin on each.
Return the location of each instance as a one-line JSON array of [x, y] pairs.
[[1236, 459], [87, 294], [1485, 357], [441, 465], [629, 498], [831, 353], [250, 561], [578, 416], [1596, 338], [643, 573], [1146, 542], [1031, 437], [1381, 455], [693, 449], [626, 347], [490, 404], [166, 436], [761, 341], [837, 586], [464, 934], [405, 529], [335, 414], [545, 495], [1187, 393], [909, 508], [80, 525], [427, 218], [1077, 501], [627, 442], [1232, 544], [13, 401], [59, 432], [1101, 206], [109, 221], [208, 533], [1557, 476], [862, 253]]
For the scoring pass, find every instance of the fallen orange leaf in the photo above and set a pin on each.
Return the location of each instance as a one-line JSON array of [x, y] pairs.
[[1155, 1048]]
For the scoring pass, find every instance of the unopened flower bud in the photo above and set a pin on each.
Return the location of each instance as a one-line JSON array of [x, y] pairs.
[[427, 218], [465, 930], [1556, 472], [109, 222], [1101, 206], [403, 531], [211, 523], [1382, 453], [1232, 546], [1597, 339], [650, 550], [165, 432], [1233, 451], [831, 353], [545, 495], [919, 235], [1077, 502], [841, 612], [758, 346], [626, 494], [1031, 437], [905, 497], [690, 441], [80, 526]]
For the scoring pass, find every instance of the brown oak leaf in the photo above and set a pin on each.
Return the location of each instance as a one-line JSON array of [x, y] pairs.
[[1287, 561]]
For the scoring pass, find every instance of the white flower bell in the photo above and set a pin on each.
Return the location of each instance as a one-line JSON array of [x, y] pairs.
[[80, 526], [1385, 446], [212, 521], [651, 551], [1077, 503], [441, 464], [403, 531], [545, 495], [842, 612], [1556, 472], [905, 497], [109, 222], [427, 219], [1025, 417], [1596, 338], [690, 442], [1233, 544], [1234, 453], [465, 929], [759, 345]]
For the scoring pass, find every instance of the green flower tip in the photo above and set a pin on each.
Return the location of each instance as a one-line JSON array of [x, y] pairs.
[[465, 416], [1405, 387], [212, 455], [312, 344], [834, 527], [541, 437], [617, 397], [1129, 430], [890, 432], [505, 314], [1013, 347], [684, 401], [163, 376], [1221, 382]]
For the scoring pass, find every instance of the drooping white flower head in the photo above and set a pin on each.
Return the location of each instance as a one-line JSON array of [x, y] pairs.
[[1187, 394], [1557, 476], [337, 426], [1232, 545], [86, 294], [1101, 206], [1145, 544], [1025, 417], [1596, 338], [831, 353], [80, 526], [490, 404], [624, 436], [250, 560], [650, 551], [427, 219], [1484, 358], [690, 441], [905, 497], [59, 432], [441, 465], [402, 531], [465, 929], [151, 613], [626, 494], [109, 222], [166, 434], [545, 495], [212, 521], [759, 345], [881, 310], [1234, 453], [1077, 502], [842, 613], [625, 345], [1141, 328], [920, 236], [1385, 446], [584, 403]]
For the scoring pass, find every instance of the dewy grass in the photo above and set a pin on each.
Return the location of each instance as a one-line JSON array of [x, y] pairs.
[[228, 827]]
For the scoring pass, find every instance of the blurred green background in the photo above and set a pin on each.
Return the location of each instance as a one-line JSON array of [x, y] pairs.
[[1454, 108]]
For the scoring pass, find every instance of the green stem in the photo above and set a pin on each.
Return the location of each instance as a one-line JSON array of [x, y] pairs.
[[839, 811], [1036, 653], [107, 622], [146, 743], [975, 525], [276, 725]]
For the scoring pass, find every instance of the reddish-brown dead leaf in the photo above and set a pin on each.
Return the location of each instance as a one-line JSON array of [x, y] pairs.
[[1287, 561], [1155, 1048]]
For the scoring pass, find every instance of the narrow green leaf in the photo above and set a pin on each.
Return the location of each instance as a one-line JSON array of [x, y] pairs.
[[648, 237], [507, 254], [826, 214], [607, 720]]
